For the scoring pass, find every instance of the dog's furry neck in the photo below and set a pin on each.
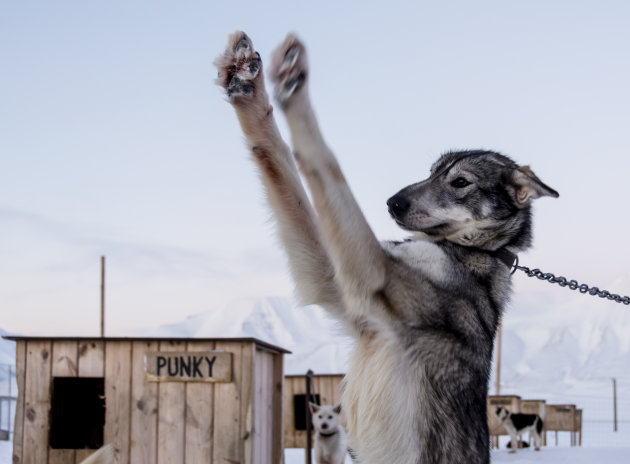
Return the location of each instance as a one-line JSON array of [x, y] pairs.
[[327, 435]]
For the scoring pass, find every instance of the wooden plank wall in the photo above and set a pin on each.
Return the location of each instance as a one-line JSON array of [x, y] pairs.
[[144, 407], [328, 387], [535, 407], [91, 363], [20, 377], [560, 417], [36, 402], [155, 422], [268, 431], [64, 364]]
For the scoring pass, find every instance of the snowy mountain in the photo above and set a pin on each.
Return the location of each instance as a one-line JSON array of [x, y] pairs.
[[561, 341], [551, 343], [555, 343], [316, 341]]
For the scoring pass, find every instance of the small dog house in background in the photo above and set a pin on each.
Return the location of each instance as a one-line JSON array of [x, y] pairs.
[[155, 400], [564, 418], [327, 390], [534, 407]]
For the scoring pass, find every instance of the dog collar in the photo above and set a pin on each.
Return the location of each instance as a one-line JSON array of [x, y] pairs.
[[327, 435], [506, 257]]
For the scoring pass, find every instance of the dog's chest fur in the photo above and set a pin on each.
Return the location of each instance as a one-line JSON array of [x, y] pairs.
[[432, 357]]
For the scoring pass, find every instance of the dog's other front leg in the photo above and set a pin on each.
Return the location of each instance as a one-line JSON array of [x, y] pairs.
[[355, 252], [240, 74]]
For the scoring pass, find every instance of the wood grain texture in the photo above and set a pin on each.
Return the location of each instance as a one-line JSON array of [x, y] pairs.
[[37, 402], [199, 415], [144, 407], [118, 399], [64, 364], [20, 377], [171, 415]]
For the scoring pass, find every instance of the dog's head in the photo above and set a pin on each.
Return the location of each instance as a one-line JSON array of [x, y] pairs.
[[502, 413], [325, 418], [472, 198]]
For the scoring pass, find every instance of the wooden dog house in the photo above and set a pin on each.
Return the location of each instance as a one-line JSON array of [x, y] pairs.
[[564, 418], [535, 407], [155, 400]]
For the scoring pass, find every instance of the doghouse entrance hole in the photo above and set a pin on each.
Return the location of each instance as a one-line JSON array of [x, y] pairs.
[[299, 409], [77, 413]]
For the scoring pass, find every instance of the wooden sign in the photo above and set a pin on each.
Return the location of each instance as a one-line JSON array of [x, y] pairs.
[[189, 366]]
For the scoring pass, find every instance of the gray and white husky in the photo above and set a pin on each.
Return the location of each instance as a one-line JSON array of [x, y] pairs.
[[424, 311]]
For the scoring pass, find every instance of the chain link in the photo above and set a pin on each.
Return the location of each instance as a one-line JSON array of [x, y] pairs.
[[572, 284]]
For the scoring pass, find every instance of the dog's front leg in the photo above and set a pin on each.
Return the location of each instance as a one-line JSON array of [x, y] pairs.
[[240, 74], [355, 252]]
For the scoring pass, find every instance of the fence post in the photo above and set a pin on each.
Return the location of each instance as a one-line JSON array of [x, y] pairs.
[[309, 382], [615, 403], [10, 402]]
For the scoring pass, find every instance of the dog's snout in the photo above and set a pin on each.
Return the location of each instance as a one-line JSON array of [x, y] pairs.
[[324, 426], [398, 205]]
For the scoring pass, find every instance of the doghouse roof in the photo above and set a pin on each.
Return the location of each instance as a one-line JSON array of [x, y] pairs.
[[258, 342]]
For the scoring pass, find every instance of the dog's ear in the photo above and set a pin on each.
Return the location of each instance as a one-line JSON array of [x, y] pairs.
[[527, 186], [314, 407], [337, 409]]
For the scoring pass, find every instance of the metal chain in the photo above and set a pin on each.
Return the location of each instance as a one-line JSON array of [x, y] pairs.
[[572, 284]]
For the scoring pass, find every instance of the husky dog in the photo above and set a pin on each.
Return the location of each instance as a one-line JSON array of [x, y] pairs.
[[423, 311], [517, 424], [330, 437]]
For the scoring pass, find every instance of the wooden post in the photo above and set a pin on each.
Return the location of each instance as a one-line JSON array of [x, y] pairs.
[[309, 383], [102, 296], [497, 387], [615, 404]]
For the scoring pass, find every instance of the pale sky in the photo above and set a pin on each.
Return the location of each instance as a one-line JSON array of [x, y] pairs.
[[115, 141]]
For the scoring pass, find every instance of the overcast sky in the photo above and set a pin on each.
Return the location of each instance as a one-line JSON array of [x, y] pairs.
[[115, 141]]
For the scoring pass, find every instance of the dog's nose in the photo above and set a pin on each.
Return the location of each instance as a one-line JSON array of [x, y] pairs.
[[398, 205], [324, 426]]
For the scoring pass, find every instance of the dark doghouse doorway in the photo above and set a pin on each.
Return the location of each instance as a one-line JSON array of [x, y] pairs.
[[77, 413]]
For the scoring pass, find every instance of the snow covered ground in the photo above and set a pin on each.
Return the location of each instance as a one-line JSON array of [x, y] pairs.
[[548, 455]]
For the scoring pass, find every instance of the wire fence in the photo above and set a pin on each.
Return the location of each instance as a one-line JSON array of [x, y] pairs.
[[8, 394], [605, 418]]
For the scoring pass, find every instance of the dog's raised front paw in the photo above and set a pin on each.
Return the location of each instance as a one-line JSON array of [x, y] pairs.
[[288, 69], [238, 67]]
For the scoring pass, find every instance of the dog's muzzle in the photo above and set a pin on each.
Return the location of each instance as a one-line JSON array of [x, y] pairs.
[[397, 206]]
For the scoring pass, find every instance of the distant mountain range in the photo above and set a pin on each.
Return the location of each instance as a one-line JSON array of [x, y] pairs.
[[555, 344]]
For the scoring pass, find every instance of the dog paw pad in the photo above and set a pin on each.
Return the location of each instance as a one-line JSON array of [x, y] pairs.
[[238, 67], [289, 70]]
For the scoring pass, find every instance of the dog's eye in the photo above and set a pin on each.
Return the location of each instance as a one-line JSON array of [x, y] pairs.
[[460, 182], [330, 417]]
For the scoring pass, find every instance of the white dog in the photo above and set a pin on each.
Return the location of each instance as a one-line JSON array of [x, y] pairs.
[[330, 437]]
